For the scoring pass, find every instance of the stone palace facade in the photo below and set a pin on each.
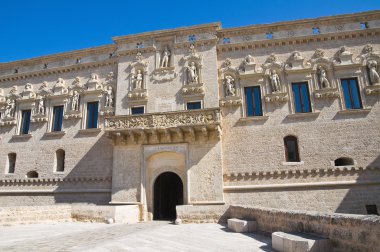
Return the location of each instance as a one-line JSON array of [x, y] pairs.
[[283, 115]]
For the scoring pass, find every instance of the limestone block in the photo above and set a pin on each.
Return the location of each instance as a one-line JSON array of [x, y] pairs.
[[299, 242], [242, 226]]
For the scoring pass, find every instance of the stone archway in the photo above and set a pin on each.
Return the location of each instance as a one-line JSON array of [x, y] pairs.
[[158, 161], [167, 194]]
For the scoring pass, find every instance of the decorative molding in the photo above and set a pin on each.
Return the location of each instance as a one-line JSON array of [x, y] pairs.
[[373, 89], [329, 93], [291, 172]]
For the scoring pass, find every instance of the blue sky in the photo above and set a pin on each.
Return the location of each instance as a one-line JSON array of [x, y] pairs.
[[35, 28]]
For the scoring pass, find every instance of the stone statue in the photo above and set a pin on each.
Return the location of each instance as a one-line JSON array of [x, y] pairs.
[[75, 101], [296, 56], [109, 97], [192, 74], [41, 106], [10, 108], [322, 77], [373, 74], [165, 57], [249, 59], [94, 78], [229, 82], [344, 51], [275, 81], [28, 87], [138, 79], [60, 82]]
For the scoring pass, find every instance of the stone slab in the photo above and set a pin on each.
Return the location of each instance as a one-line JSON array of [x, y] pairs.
[[299, 242], [242, 226]]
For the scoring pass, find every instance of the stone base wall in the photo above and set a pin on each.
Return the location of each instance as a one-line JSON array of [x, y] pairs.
[[66, 212], [347, 232], [34, 214]]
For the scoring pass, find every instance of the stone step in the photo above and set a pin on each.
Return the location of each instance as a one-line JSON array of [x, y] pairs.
[[241, 226], [299, 242]]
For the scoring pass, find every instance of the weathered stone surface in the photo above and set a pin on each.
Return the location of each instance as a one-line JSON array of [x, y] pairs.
[[299, 242], [241, 226]]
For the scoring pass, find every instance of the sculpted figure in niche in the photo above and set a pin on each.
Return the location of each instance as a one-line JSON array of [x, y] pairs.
[[373, 74], [165, 57], [75, 101], [40, 106], [192, 73], [322, 76], [275, 81], [10, 108], [138, 79], [229, 82], [109, 97]]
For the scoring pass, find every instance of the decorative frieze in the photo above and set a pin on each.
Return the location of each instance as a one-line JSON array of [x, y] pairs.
[[164, 120]]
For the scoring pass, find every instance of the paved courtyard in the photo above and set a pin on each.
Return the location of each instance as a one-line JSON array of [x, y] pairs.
[[150, 236]]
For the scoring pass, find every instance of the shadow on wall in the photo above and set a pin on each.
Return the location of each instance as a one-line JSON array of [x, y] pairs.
[[90, 180], [363, 197]]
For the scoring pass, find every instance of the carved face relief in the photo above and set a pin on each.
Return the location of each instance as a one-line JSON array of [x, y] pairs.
[[367, 49], [319, 53], [272, 58]]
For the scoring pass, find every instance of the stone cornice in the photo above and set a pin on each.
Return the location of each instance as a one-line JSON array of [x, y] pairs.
[[294, 172], [298, 40], [58, 70], [312, 22], [28, 181], [59, 56], [168, 32]]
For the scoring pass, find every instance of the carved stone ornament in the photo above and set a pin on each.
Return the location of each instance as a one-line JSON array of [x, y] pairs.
[[344, 56], [329, 93], [323, 81], [60, 87], [296, 62], [3, 99], [164, 66], [193, 67], [44, 90], [167, 120], [230, 81], [93, 83], [137, 79], [373, 76], [73, 106], [276, 97], [39, 113], [249, 64], [28, 92]]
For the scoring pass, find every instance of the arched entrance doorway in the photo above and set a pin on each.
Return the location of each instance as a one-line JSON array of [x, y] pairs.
[[168, 193]]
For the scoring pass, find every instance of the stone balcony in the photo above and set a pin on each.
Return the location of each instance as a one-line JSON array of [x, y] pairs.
[[169, 127]]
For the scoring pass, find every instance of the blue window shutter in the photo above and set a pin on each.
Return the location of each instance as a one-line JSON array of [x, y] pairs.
[[257, 99]]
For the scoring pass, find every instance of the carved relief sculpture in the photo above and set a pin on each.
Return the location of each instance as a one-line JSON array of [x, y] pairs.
[[138, 79], [10, 108], [109, 97], [275, 81], [75, 101], [40, 106], [165, 57], [229, 83], [322, 78], [192, 75], [373, 73]]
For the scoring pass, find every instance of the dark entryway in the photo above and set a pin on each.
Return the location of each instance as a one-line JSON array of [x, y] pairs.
[[168, 193]]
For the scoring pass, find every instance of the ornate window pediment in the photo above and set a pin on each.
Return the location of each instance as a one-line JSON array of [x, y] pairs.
[[296, 62]]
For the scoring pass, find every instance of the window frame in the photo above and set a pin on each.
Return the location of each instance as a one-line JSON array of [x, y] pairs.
[[299, 83], [253, 101], [297, 153], [196, 101], [359, 94], [22, 130], [137, 107], [56, 164], [94, 116], [53, 121], [8, 163]]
